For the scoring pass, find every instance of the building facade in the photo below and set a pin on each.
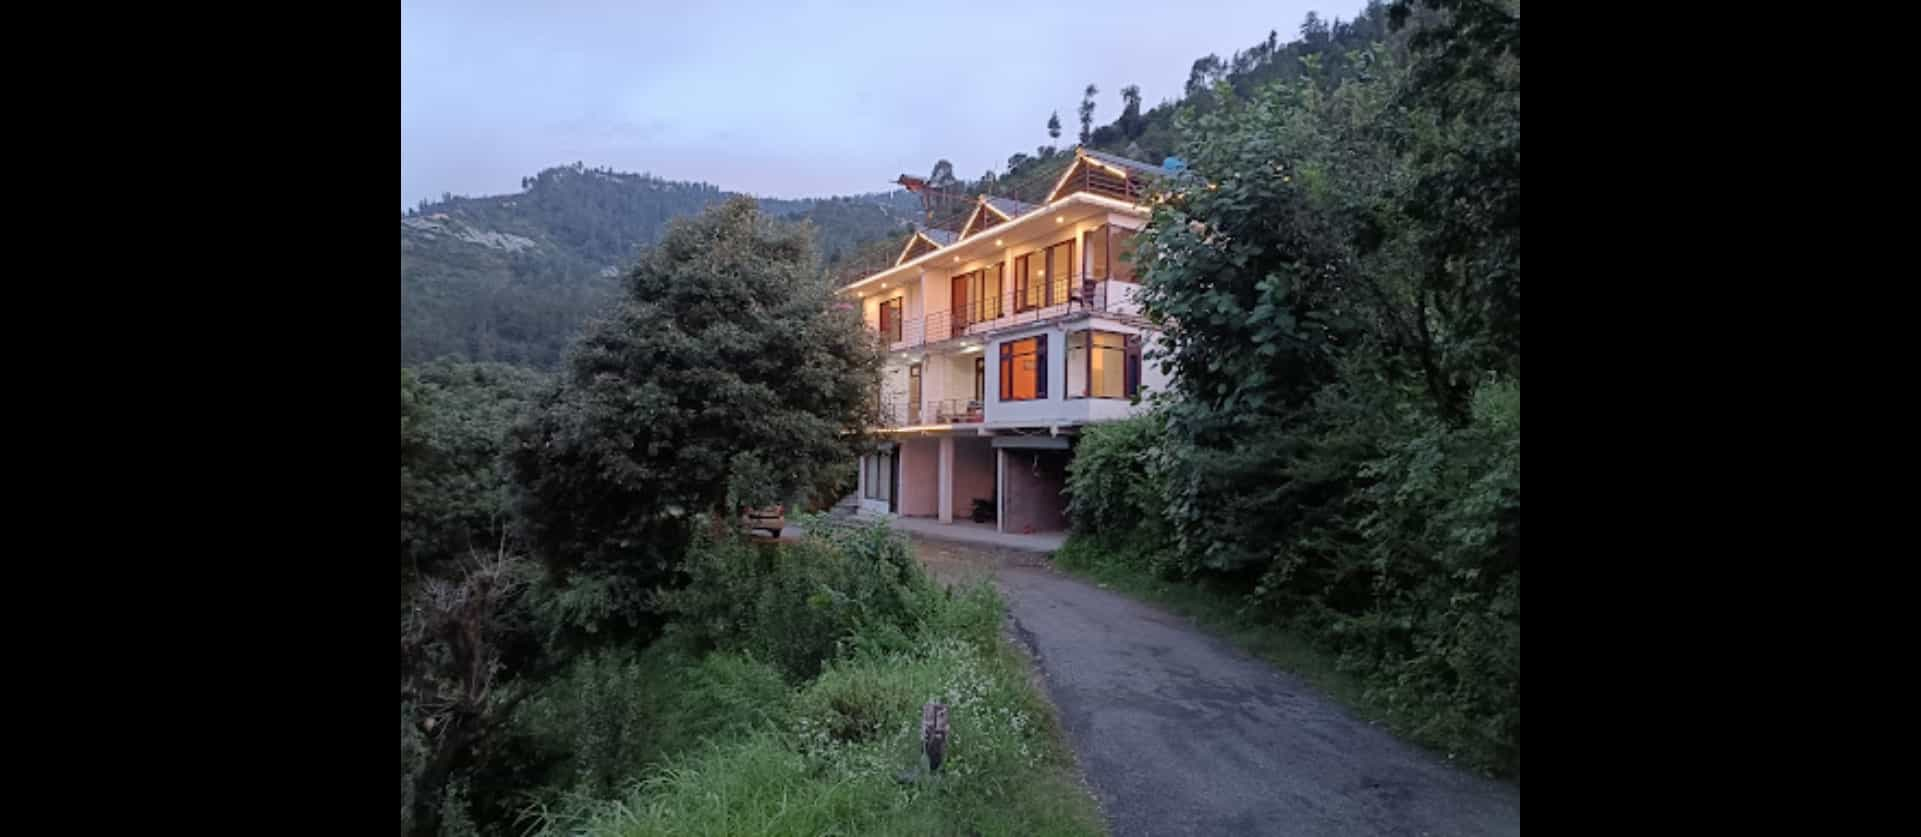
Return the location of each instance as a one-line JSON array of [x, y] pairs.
[[1004, 339]]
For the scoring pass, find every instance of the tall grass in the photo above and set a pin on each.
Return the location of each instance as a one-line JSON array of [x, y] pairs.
[[840, 753]]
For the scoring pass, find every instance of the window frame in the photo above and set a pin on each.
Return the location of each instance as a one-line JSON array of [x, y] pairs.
[[1129, 350], [1024, 277], [1009, 357], [890, 327]]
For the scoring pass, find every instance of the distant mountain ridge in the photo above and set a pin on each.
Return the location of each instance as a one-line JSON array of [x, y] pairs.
[[512, 278]]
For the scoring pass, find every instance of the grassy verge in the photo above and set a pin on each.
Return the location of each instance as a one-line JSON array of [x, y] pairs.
[[1220, 612], [831, 762]]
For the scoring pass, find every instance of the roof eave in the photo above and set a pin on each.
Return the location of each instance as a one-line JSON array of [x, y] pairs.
[[1113, 204]]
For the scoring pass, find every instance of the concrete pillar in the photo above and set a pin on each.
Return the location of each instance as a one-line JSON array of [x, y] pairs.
[[1000, 490], [947, 479]]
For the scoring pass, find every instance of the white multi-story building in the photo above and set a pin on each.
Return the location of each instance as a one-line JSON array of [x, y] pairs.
[[1004, 338]]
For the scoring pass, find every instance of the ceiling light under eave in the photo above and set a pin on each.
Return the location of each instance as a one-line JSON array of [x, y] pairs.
[[970, 349]]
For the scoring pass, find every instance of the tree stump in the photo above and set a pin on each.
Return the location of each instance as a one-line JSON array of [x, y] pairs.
[[933, 733]]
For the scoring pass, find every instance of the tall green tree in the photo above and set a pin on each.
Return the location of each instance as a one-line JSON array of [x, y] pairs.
[[1054, 125], [1130, 118], [727, 375], [1087, 114]]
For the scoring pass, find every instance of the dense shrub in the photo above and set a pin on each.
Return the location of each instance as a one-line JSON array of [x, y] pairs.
[[1440, 526], [617, 713], [1117, 479], [834, 766], [454, 419], [798, 605]]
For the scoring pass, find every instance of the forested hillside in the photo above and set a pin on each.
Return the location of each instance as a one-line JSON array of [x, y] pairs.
[[512, 278]]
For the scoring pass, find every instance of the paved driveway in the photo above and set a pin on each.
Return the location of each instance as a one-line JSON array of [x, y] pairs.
[[1179, 733]]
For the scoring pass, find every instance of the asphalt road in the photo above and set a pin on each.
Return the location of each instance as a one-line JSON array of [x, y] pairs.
[[1178, 733]]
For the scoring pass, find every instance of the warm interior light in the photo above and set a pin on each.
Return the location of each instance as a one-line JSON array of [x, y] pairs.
[[883, 284], [997, 242], [956, 258], [1059, 218]]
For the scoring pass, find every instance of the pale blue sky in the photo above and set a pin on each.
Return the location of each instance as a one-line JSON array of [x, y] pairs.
[[782, 99]]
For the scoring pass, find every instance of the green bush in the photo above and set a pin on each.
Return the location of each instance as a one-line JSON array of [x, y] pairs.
[[797, 605], [1117, 481], [454, 419], [1441, 526], [835, 766], [615, 714]]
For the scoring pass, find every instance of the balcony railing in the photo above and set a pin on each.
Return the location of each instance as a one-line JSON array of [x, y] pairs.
[[986, 316], [956, 411], [903, 413]]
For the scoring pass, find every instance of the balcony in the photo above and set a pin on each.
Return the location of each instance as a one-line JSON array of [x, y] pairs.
[[957, 411], [1064, 298], [898, 413]]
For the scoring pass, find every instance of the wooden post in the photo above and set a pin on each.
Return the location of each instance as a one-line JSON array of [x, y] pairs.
[[933, 733]]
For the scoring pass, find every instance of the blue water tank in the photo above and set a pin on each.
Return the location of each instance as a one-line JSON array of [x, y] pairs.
[[1174, 164]]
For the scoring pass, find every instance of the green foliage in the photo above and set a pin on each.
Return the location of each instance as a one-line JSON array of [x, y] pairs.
[[1117, 480], [725, 361], [1342, 309], [454, 419], [799, 605], [616, 714], [833, 766]]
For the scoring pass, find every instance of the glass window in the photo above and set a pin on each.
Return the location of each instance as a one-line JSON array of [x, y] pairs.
[[890, 319], [1120, 247], [1100, 370], [1060, 269], [1030, 282], [1107, 366], [1096, 250], [880, 474], [1023, 369]]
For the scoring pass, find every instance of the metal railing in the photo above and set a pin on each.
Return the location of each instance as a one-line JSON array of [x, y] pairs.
[[1061, 298], [957, 411], [903, 413]]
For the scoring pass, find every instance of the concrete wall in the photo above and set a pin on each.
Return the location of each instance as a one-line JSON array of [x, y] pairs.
[[1033, 502], [973, 474], [919, 477]]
